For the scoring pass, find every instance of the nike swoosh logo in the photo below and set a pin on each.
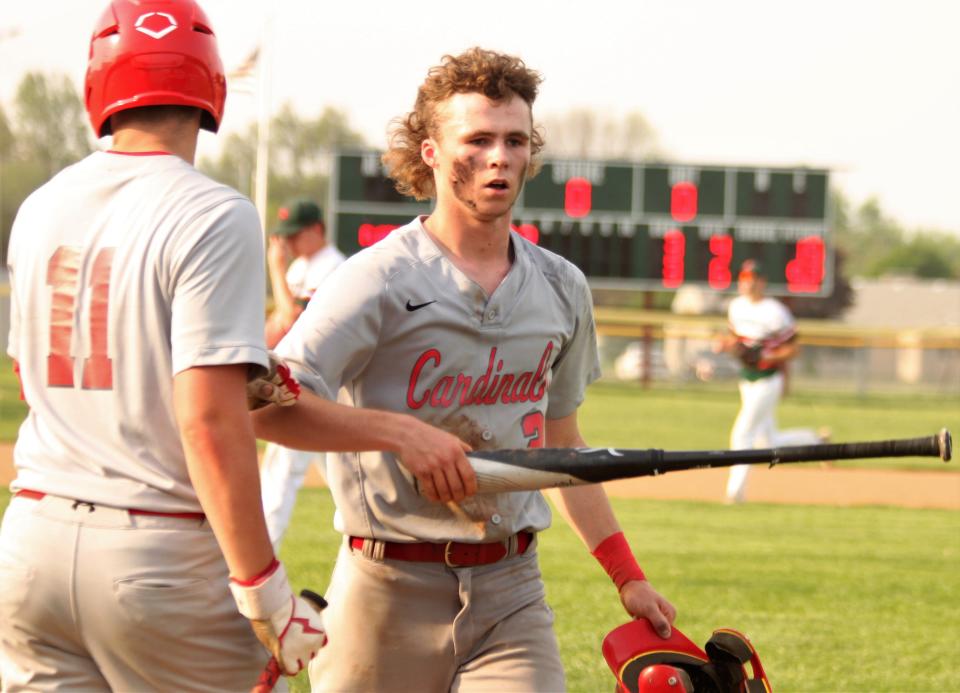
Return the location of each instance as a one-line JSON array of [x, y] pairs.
[[411, 307]]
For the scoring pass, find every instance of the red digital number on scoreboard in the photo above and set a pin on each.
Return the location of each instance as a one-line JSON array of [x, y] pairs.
[[674, 256], [805, 272], [577, 197], [528, 231], [683, 201], [718, 271], [368, 234]]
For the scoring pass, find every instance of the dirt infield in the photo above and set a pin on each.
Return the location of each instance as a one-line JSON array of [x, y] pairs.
[[806, 485]]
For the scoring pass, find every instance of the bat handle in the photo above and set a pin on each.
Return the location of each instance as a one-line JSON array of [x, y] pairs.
[[318, 600], [268, 677], [271, 673]]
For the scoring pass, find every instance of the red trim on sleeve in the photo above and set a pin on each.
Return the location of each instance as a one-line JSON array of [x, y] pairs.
[[259, 577], [614, 554], [16, 369]]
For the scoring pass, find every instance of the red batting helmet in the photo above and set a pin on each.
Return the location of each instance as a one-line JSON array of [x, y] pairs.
[[643, 662], [153, 53]]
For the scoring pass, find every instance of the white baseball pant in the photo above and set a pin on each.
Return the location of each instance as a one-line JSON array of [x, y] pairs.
[[282, 472], [97, 599], [756, 427]]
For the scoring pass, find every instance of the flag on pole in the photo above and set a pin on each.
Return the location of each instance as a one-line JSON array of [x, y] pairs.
[[243, 77]]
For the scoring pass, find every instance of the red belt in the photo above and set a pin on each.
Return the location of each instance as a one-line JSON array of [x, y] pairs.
[[37, 495], [453, 553]]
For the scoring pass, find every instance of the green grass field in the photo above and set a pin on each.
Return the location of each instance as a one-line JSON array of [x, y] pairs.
[[834, 599]]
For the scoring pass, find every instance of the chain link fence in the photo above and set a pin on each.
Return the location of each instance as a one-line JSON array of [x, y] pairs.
[[661, 348]]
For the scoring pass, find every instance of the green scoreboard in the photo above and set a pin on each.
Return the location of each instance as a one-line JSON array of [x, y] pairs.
[[648, 226]]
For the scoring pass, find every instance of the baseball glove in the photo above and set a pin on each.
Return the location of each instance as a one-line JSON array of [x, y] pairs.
[[748, 354], [276, 386]]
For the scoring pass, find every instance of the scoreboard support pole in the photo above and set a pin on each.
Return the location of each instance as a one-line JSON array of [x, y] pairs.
[[647, 344]]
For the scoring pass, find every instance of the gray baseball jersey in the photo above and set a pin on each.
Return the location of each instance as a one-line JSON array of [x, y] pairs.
[[399, 327], [126, 269]]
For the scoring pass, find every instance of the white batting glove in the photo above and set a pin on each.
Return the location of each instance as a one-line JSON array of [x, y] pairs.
[[276, 386], [290, 627]]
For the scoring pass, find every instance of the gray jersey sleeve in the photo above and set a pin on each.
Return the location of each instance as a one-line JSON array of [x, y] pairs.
[[218, 289], [578, 364], [339, 331]]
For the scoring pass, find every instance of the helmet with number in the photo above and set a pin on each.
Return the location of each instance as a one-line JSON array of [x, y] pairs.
[[153, 53]]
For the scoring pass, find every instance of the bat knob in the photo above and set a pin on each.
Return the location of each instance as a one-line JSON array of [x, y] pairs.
[[946, 444], [312, 596]]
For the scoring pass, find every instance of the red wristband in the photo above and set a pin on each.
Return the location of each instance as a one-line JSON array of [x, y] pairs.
[[617, 559], [259, 577]]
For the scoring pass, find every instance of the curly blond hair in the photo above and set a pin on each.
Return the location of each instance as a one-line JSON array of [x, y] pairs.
[[495, 75]]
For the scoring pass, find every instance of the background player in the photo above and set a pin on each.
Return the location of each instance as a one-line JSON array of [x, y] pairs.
[[136, 316], [762, 334], [457, 321], [300, 234]]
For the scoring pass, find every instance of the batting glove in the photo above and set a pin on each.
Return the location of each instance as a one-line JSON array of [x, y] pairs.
[[290, 627], [276, 386]]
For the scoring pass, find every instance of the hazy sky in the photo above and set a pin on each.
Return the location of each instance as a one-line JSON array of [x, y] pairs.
[[869, 89]]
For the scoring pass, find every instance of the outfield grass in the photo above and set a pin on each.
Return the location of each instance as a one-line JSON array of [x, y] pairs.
[[834, 599], [12, 409], [700, 417]]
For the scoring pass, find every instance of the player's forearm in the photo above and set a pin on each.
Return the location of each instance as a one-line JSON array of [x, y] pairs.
[[782, 354], [220, 449], [314, 423], [283, 299], [587, 510]]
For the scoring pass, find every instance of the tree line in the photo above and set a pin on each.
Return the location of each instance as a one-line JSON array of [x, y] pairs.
[[46, 129]]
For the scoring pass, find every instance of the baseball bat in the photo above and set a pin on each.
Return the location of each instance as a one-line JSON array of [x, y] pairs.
[[272, 672], [499, 471]]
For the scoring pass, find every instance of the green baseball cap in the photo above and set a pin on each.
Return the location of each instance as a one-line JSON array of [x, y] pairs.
[[296, 215], [752, 267]]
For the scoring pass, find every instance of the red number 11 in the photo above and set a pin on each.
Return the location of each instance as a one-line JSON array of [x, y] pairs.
[[63, 274]]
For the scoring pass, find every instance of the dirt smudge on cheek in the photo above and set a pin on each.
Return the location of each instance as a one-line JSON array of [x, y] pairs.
[[463, 172], [463, 176]]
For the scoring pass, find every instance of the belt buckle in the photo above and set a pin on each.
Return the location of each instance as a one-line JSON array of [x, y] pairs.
[[473, 554], [446, 555]]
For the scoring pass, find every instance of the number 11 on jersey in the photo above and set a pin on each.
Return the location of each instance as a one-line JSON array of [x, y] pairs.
[[63, 275]]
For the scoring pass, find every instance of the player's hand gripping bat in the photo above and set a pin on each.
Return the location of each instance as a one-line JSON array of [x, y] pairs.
[[525, 470], [272, 672]]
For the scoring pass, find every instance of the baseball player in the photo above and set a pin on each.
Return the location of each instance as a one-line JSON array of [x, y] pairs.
[[300, 233], [763, 336], [453, 324], [136, 316]]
